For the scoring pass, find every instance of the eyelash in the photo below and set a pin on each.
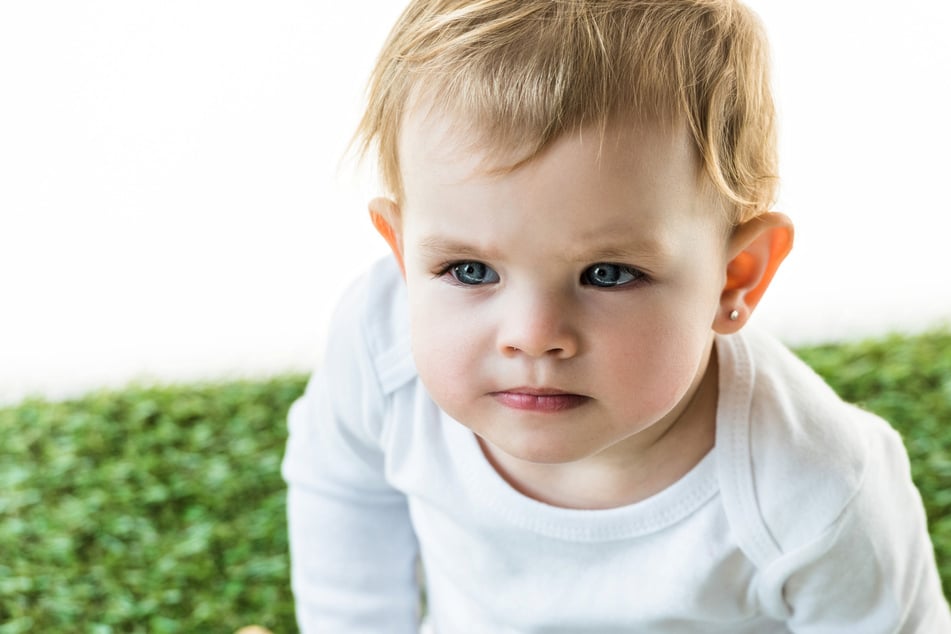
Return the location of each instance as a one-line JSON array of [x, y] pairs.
[[640, 277], [445, 269]]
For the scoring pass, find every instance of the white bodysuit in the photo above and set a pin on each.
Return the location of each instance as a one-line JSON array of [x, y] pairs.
[[803, 518]]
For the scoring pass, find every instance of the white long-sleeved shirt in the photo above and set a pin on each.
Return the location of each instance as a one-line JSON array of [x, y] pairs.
[[803, 518]]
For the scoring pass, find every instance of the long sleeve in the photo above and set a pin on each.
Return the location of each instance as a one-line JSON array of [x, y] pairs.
[[873, 569], [820, 496], [353, 550]]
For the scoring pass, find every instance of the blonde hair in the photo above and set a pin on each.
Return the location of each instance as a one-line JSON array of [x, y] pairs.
[[524, 72]]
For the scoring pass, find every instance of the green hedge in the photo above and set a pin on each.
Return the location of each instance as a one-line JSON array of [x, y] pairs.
[[161, 509], [146, 510]]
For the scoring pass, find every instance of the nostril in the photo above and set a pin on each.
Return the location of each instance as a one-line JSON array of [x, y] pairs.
[[548, 334], [511, 350]]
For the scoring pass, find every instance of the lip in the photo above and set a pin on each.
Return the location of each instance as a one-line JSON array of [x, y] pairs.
[[534, 399]]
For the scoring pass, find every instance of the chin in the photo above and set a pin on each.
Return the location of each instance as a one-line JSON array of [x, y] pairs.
[[531, 448]]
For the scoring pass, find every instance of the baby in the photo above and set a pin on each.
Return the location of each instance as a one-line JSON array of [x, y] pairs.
[[547, 400]]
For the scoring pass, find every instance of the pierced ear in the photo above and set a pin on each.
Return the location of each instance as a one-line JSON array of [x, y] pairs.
[[385, 215], [756, 249]]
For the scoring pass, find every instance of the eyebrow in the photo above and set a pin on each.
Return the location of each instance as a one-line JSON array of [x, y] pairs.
[[436, 246], [647, 251], [649, 254]]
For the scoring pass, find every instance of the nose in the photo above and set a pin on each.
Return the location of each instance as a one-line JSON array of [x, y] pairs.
[[538, 326]]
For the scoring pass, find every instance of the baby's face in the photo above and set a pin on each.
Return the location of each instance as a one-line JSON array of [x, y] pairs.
[[561, 309]]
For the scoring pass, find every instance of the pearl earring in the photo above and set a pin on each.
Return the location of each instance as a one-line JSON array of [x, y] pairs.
[[734, 315]]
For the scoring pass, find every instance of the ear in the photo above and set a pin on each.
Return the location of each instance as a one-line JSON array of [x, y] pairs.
[[756, 249], [385, 215]]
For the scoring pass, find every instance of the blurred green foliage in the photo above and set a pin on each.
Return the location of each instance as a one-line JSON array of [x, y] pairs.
[[146, 510], [161, 509]]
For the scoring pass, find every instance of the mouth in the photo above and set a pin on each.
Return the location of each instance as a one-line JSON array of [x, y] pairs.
[[539, 399]]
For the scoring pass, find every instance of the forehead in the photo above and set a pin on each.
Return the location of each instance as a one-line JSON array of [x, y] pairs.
[[643, 163]]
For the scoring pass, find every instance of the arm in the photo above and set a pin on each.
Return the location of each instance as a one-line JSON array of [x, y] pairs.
[[873, 570], [353, 550]]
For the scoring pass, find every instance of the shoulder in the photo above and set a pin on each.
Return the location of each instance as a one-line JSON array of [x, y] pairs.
[[336, 427], [799, 454], [370, 327]]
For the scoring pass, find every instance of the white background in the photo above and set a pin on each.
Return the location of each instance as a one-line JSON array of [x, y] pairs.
[[173, 205]]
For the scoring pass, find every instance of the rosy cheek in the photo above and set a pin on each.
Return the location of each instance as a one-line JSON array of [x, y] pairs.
[[444, 357], [659, 365]]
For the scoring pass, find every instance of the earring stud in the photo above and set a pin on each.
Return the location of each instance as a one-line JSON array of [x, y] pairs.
[[734, 315]]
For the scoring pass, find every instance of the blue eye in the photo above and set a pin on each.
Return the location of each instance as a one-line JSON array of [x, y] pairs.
[[473, 273], [605, 275]]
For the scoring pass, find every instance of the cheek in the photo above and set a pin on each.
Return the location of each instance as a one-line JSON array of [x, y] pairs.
[[654, 365], [446, 349]]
